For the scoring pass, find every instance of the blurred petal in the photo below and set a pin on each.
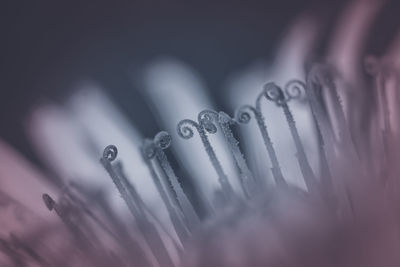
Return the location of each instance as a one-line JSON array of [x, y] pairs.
[[348, 40], [22, 182]]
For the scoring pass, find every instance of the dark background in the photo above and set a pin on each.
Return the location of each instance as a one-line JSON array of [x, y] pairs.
[[46, 46]]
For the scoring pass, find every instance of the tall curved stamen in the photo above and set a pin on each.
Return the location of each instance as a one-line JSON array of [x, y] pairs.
[[319, 112], [162, 141], [242, 115], [274, 93], [322, 94], [246, 177], [320, 89], [385, 79], [146, 227], [185, 130], [224, 122], [149, 151]]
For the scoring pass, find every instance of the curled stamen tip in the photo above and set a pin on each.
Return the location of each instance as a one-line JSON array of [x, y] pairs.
[[242, 116], [209, 126], [273, 92], [48, 201], [206, 119], [184, 128], [207, 115], [295, 89], [110, 152], [163, 140]]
